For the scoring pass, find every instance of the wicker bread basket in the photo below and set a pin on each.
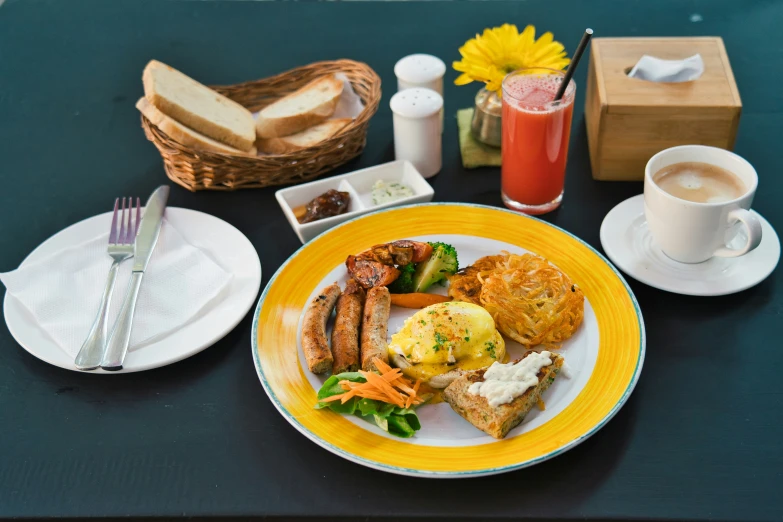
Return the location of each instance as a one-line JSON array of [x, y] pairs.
[[197, 169]]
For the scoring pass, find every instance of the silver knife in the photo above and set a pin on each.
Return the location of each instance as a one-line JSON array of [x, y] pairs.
[[117, 346]]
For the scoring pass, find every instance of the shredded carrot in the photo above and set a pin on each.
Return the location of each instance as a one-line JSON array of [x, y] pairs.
[[385, 387], [413, 395], [389, 386], [332, 398], [404, 387], [381, 365], [348, 396]]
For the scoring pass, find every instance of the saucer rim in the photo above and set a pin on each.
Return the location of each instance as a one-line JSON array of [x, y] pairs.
[[618, 262]]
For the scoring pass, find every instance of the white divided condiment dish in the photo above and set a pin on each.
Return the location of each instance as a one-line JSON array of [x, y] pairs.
[[359, 185]]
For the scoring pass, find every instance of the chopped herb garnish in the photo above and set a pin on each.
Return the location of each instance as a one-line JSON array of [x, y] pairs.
[[491, 349], [467, 339], [440, 341]]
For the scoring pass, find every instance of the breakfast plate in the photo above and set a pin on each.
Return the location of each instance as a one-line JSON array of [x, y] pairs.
[[220, 240], [603, 358]]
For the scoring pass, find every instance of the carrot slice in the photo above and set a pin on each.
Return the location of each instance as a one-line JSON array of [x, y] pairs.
[[417, 300]]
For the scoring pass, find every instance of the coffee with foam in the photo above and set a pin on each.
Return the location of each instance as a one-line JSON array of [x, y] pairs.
[[699, 182]]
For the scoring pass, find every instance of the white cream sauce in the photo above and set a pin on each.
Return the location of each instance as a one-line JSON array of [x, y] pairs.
[[505, 382], [388, 191]]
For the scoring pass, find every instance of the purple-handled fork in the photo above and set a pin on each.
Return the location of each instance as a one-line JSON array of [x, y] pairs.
[[124, 227]]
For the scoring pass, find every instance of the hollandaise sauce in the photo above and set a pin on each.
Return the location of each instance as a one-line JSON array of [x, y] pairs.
[[505, 382], [447, 336]]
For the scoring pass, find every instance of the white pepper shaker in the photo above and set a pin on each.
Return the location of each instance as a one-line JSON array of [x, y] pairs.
[[417, 129], [421, 70]]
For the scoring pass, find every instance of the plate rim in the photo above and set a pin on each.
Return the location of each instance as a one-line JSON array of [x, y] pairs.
[[447, 474], [257, 276], [695, 293]]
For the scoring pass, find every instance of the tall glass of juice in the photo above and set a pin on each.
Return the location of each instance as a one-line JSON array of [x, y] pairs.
[[535, 133]]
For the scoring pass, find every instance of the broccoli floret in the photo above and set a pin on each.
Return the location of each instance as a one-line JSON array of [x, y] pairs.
[[441, 263], [404, 283]]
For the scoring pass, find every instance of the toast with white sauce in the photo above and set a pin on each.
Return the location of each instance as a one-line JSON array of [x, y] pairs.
[[498, 421]]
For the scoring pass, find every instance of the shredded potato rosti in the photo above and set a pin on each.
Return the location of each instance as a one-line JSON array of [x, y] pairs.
[[531, 301]]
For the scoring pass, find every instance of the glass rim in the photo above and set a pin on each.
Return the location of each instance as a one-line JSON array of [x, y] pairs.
[[568, 96]]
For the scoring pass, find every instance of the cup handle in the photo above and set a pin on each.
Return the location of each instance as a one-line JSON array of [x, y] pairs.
[[753, 229]]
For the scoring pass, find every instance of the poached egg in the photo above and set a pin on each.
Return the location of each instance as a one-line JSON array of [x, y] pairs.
[[445, 337]]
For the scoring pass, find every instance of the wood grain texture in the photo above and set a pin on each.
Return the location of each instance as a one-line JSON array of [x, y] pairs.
[[629, 120]]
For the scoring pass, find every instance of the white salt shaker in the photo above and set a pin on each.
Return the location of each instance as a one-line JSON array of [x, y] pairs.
[[417, 129], [421, 70]]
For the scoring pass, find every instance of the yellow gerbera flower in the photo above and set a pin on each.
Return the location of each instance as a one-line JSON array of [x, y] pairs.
[[491, 56]]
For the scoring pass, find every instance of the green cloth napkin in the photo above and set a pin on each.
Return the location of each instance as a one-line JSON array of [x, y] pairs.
[[474, 153]]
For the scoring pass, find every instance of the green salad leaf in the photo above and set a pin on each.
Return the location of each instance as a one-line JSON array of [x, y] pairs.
[[402, 422]]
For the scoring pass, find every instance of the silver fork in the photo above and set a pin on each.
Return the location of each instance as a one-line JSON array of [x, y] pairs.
[[121, 239]]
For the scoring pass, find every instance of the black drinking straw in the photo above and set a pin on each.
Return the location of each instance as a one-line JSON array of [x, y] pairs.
[[574, 62]]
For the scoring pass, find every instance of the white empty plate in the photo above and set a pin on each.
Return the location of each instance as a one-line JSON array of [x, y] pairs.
[[227, 245]]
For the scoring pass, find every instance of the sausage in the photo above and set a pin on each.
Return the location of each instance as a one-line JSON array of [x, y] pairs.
[[345, 336], [314, 341], [375, 325]]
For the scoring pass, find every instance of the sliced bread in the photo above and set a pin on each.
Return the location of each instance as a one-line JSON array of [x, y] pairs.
[[302, 140], [197, 106], [182, 134], [308, 106]]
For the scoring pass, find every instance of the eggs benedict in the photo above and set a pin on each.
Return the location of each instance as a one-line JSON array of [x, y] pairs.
[[438, 343]]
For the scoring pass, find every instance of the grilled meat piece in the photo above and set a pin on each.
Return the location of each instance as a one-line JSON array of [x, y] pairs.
[[399, 252], [370, 273]]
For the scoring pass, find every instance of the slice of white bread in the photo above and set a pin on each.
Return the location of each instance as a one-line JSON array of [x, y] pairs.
[[302, 140], [197, 106], [308, 106], [182, 134]]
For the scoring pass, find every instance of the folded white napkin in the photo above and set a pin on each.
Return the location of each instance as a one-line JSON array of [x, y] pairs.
[[63, 291], [655, 69]]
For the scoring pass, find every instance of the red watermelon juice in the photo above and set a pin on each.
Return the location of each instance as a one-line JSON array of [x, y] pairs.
[[535, 133]]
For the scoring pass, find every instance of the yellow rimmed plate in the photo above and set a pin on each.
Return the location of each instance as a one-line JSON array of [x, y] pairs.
[[604, 358]]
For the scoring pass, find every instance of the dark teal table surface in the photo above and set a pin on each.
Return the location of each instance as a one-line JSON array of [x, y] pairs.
[[699, 439]]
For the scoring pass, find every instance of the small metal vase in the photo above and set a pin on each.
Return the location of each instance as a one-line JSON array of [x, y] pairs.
[[486, 126]]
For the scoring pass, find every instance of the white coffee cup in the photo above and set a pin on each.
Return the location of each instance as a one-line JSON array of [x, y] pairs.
[[691, 232]]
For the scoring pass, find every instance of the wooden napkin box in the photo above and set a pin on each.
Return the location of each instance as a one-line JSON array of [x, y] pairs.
[[629, 120]]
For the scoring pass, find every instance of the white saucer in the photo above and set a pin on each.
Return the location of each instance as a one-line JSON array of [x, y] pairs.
[[227, 245], [628, 242]]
